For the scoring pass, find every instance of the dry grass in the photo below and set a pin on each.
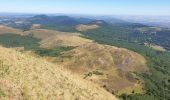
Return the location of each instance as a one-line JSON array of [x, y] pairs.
[[52, 39], [6, 29], [116, 64], [32, 78], [82, 27]]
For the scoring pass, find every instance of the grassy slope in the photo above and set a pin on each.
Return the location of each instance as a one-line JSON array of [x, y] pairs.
[[6, 29], [25, 77], [51, 39], [117, 66]]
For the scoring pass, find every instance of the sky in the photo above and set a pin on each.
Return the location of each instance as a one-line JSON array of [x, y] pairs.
[[90, 7]]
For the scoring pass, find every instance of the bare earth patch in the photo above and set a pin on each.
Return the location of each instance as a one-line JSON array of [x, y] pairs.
[[155, 47], [82, 27], [35, 26]]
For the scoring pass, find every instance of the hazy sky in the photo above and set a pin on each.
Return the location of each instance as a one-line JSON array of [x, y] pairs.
[[107, 7]]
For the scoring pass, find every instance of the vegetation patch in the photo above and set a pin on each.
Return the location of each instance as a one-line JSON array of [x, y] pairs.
[[52, 52], [14, 40], [2, 94], [4, 69], [148, 29], [63, 28], [96, 72]]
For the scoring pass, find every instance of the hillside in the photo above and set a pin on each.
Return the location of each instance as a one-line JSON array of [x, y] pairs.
[[116, 66], [47, 38], [31, 78], [5, 29], [52, 39], [111, 67]]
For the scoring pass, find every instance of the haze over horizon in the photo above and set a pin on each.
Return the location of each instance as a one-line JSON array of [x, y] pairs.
[[91, 7]]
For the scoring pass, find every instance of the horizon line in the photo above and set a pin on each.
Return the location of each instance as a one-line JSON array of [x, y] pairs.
[[43, 13]]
